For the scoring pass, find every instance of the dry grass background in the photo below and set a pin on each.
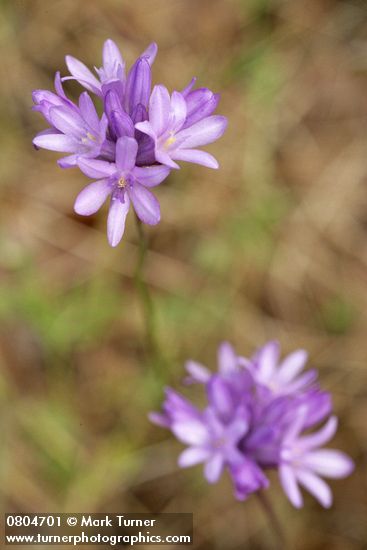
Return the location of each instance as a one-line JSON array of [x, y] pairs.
[[273, 245]]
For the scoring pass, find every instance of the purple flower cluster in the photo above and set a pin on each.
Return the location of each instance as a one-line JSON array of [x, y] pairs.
[[259, 415], [137, 140]]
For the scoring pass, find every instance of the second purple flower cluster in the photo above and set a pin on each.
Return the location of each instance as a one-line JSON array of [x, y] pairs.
[[259, 415], [139, 138]]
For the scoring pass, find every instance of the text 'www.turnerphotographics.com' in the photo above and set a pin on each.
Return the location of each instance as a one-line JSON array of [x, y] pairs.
[[103, 529]]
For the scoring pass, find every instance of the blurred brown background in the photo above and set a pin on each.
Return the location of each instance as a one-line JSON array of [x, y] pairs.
[[272, 245]]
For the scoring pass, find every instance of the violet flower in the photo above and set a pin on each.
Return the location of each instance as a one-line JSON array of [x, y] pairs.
[[173, 140], [303, 462], [250, 426], [75, 130], [125, 182], [156, 130]]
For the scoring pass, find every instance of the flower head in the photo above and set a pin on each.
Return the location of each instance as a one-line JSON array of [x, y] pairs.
[[136, 141], [254, 420]]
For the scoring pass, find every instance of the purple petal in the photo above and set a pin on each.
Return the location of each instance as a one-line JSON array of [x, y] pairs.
[[198, 373], [201, 103], [159, 109], [164, 158], [150, 53], [126, 149], [196, 156], [138, 86], [304, 380], [56, 142], [83, 75], [316, 486], [213, 468], [96, 168], [150, 176], [291, 366], [205, 131], [193, 455], [159, 419], [189, 87], [145, 204], [67, 121], [219, 395], [59, 88], [320, 437], [88, 111], [139, 113], [112, 58], [91, 198], [329, 463], [122, 124], [178, 111], [290, 486], [227, 359], [192, 432], [68, 162], [116, 219], [146, 128], [267, 359]]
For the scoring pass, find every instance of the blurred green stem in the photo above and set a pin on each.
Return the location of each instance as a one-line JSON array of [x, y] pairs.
[[272, 519], [153, 348]]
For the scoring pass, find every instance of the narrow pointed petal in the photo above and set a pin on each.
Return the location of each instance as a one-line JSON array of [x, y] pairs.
[[150, 53], [92, 197], [200, 106], [193, 455], [96, 168], [267, 360], [122, 124], [196, 156], [213, 468], [320, 437], [138, 86], [82, 74], [227, 359], [302, 381], [126, 149], [220, 397], [67, 121], [192, 432], [289, 483], [116, 219], [197, 372], [189, 87], [329, 463], [146, 128], [59, 87], [291, 366], [56, 142], [179, 110], [150, 176], [68, 162], [88, 111], [145, 204], [316, 486], [164, 158], [205, 131], [112, 58], [159, 109]]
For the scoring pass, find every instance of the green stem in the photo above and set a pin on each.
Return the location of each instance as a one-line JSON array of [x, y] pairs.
[[152, 345], [273, 520]]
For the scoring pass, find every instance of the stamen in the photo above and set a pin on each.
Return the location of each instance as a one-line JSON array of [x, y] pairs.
[[170, 141], [121, 184]]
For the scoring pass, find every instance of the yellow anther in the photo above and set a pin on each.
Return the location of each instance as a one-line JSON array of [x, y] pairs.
[[170, 141]]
